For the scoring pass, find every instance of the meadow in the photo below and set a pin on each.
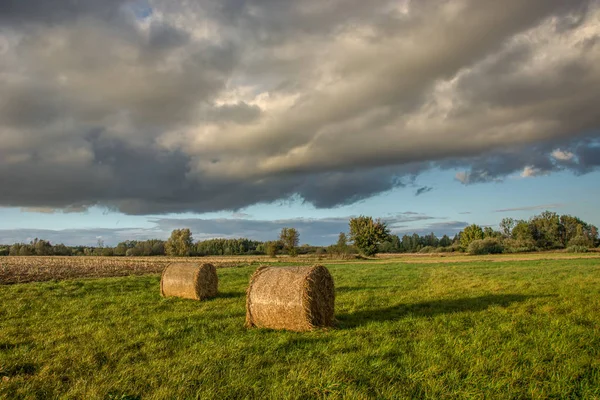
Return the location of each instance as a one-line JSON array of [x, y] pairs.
[[411, 327]]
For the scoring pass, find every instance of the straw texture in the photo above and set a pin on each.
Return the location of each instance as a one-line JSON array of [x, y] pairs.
[[189, 281], [292, 298]]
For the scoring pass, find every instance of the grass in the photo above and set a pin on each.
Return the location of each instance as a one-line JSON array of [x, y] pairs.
[[507, 329]]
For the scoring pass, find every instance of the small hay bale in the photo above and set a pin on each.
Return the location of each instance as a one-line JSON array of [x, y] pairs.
[[190, 281], [292, 298]]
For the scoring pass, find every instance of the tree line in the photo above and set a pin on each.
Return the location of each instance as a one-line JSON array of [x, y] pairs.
[[366, 236], [546, 231]]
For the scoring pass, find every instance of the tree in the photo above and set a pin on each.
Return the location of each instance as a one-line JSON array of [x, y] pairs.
[[489, 232], [469, 234], [431, 240], [506, 226], [580, 239], [15, 249], [290, 239], [341, 247], [445, 241], [547, 230], [41, 247], [272, 248], [180, 243], [367, 234]]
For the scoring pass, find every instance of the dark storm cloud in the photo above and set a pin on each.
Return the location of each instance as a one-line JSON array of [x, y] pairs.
[[57, 11], [160, 106], [165, 36]]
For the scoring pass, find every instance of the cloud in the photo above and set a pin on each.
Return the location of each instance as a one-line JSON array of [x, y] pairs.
[[531, 208], [423, 190], [49, 210], [561, 155], [78, 237], [530, 172], [240, 215], [159, 107], [316, 231], [449, 228]]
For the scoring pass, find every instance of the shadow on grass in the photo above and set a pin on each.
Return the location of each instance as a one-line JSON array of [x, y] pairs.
[[230, 295], [359, 288], [19, 369], [10, 346], [430, 309]]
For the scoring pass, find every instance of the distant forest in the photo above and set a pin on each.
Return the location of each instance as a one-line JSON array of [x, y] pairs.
[[547, 231]]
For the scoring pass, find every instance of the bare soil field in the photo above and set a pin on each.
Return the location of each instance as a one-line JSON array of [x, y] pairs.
[[39, 269]]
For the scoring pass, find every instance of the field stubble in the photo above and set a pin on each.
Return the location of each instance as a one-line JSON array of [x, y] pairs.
[[40, 269]]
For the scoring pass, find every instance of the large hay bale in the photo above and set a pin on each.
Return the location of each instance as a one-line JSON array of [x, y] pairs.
[[190, 281], [292, 298]]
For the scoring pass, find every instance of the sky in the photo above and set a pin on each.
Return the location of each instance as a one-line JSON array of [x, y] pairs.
[[125, 119]]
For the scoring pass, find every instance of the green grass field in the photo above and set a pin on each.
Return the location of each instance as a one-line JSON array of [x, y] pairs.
[[514, 329]]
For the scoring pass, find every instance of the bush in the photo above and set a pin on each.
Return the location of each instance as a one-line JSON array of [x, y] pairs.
[[577, 249], [272, 248], [518, 246], [485, 246], [579, 241], [427, 249]]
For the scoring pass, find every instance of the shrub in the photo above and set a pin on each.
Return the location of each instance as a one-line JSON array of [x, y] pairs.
[[485, 246], [272, 249], [579, 241], [577, 249], [427, 249], [518, 246]]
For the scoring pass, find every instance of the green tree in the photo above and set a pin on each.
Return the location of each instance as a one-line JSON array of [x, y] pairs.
[[42, 247], [445, 241], [341, 247], [547, 230], [522, 231], [469, 234], [180, 243], [272, 248], [15, 249], [367, 234], [489, 232], [290, 239], [580, 239], [506, 226]]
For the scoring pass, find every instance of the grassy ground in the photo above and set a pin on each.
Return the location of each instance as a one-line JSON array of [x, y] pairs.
[[513, 329]]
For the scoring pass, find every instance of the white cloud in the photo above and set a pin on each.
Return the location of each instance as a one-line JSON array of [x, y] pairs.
[[530, 172], [562, 155]]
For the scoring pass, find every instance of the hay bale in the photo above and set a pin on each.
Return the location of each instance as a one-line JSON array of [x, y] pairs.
[[292, 298], [190, 281]]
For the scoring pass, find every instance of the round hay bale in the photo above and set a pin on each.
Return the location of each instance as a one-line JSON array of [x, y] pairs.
[[292, 298], [190, 281]]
